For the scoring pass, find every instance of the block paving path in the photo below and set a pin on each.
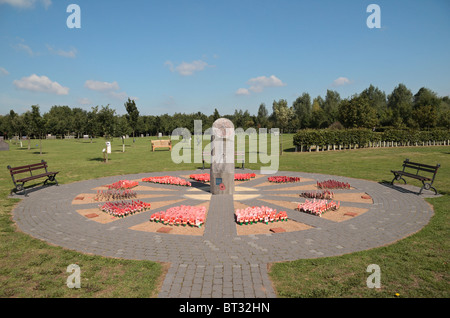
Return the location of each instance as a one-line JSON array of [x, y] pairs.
[[221, 263]]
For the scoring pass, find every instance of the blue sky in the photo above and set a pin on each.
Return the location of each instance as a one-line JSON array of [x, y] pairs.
[[188, 56]]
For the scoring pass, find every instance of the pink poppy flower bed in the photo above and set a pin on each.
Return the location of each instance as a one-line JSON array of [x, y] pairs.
[[168, 180], [123, 209], [200, 177], [263, 214], [318, 207], [122, 184], [181, 215]]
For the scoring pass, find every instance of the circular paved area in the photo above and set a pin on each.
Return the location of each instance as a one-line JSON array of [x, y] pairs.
[[221, 263]]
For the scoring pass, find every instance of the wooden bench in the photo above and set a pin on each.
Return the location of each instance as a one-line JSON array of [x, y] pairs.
[[30, 168], [240, 158], [163, 143], [427, 181]]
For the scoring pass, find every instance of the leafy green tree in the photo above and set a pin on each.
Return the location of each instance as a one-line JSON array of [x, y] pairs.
[[357, 113], [59, 120], [377, 100], [318, 116], [79, 120], [330, 106], [302, 109], [400, 102], [106, 121], [247, 120], [215, 115], [262, 118], [133, 114], [425, 108], [425, 116], [444, 112], [425, 97], [282, 114]]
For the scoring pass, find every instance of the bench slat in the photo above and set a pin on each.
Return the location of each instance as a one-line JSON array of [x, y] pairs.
[[414, 176], [421, 169], [29, 166], [37, 176], [24, 169], [422, 165]]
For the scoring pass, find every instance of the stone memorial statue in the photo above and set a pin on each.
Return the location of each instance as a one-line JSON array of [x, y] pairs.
[[222, 157]]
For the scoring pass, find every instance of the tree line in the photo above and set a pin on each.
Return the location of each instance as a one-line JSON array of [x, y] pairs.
[[372, 108]]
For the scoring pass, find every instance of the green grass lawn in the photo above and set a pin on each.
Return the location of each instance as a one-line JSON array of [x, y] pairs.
[[416, 266]]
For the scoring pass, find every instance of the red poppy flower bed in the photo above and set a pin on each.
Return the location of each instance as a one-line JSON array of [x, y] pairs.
[[263, 214], [283, 179], [243, 176], [332, 184], [122, 209], [181, 215], [168, 180], [205, 177]]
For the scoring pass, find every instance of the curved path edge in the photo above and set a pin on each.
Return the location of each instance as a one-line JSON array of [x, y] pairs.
[[221, 263]]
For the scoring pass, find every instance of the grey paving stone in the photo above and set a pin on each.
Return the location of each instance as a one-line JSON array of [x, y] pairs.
[[220, 263]]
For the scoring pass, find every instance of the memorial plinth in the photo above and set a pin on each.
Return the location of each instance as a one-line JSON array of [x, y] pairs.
[[222, 157]]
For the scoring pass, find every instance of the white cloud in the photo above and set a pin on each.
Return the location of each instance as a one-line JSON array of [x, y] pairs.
[[340, 81], [118, 95], [101, 86], [84, 101], [72, 53], [110, 89], [258, 84], [242, 91], [187, 69], [24, 47], [43, 84], [3, 72], [26, 4]]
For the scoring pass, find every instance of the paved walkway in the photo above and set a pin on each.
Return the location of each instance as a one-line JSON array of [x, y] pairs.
[[221, 263]]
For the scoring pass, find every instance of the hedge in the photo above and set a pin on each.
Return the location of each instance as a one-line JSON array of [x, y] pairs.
[[348, 138]]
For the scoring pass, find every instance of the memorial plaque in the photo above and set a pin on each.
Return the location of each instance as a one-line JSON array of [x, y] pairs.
[[222, 157]]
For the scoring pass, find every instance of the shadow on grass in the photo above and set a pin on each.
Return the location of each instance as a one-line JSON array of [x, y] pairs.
[[407, 188], [29, 189], [99, 159], [292, 149]]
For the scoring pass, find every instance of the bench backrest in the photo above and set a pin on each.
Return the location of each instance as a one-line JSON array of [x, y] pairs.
[[27, 168], [420, 167], [161, 142]]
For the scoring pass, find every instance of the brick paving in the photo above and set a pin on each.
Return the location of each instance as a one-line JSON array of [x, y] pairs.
[[221, 263]]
